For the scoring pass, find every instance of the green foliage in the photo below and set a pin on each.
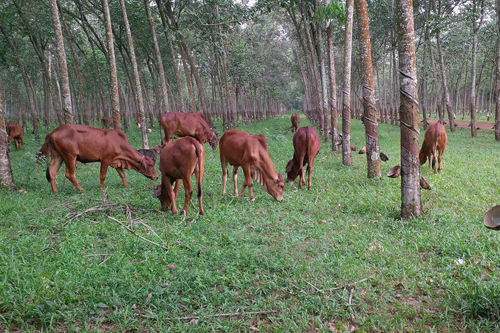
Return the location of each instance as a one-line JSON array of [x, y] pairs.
[[332, 10], [256, 256]]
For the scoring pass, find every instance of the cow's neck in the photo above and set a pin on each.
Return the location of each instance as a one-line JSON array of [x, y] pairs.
[[132, 157], [267, 169]]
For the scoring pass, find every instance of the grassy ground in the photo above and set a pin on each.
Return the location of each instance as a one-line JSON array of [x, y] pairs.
[[332, 258]]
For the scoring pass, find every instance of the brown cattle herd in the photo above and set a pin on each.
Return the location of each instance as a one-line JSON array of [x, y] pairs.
[[182, 158]]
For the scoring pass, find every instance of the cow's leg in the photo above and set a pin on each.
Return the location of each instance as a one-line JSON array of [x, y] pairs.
[[171, 194], [441, 151], [247, 183], [104, 170], [223, 164], [310, 166], [235, 179], [122, 175], [177, 187], [434, 161], [70, 172], [18, 144], [302, 179], [55, 165], [188, 193]]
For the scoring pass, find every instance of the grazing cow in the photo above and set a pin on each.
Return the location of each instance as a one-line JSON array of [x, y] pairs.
[[85, 144], [151, 153], [183, 124], [106, 122], [178, 161], [14, 133], [435, 140], [306, 146], [249, 152], [295, 119]]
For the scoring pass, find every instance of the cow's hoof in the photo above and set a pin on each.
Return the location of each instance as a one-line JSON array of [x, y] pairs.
[[202, 213], [183, 213], [174, 212], [252, 198]]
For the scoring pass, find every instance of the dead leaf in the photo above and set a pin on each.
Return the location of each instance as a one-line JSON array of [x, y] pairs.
[[149, 297], [411, 301], [398, 296], [171, 266], [485, 276], [322, 221], [332, 327], [253, 328], [134, 306]]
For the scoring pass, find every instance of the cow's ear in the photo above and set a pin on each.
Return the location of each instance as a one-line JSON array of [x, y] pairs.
[[157, 192], [289, 166]]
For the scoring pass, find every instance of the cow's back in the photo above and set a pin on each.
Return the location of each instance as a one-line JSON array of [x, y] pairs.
[[236, 145]]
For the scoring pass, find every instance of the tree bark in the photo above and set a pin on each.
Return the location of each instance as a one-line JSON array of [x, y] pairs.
[[473, 102], [115, 98], [346, 92], [447, 100], [324, 86], [411, 204], [333, 90], [370, 112], [63, 66], [497, 69], [137, 78], [159, 62], [5, 169]]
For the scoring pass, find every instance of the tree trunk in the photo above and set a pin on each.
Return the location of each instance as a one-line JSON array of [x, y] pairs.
[[370, 112], [346, 92], [5, 169], [447, 100], [63, 67], [137, 78], [324, 84], [475, 30], [438, 107], [115, 98], [411, 204], [333, 90], [159, 62]]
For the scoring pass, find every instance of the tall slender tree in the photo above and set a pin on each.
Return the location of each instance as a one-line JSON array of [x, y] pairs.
[[5, 169], [346, 92], [63, 66], [497, 69], [370, 111], [476, 24], [115, 97], [411, 205], [332, 83], [137, 78], [159, 62]]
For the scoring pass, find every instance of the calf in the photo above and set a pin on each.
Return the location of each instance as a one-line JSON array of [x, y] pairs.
[[249, 152], [85, 144], [435, 140], [193, 125], [106, 122], [178, 161], [295, 119], [151, 153], [15, 133], [306, 146]]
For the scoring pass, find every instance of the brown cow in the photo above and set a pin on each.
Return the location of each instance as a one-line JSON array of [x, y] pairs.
[[249, 152], [306, 146], [85, 144], [435, 140], [184, 124], [15, 133], [151, 153], [178, 161], [295, 119], [106, 122]]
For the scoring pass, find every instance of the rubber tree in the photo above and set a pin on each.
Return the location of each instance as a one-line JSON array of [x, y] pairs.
[[346, 92], [5, 169], [411, 204], [115, 97], [369, 109], [137, 78], [63, 66], [497, 110]]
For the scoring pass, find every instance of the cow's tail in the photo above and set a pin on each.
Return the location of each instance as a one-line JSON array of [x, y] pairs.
[[201, 166], [46, 151], [308, 149]]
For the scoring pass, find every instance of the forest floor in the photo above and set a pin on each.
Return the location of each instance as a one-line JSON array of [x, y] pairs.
[[335, 257], [482, 126]]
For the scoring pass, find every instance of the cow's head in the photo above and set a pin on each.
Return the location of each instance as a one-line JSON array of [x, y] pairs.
[[147, 168], [213, 140], [163, 197], [276, 188], [423, 157], [292, 171]]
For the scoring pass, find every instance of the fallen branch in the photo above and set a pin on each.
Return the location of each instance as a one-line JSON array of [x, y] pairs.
[[349, 284], [219, 315], [97, 255], [165, 248]]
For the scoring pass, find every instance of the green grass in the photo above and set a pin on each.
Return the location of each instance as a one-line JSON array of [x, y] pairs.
[[255, 256]]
